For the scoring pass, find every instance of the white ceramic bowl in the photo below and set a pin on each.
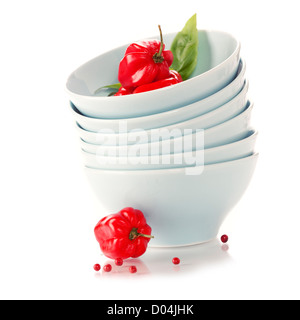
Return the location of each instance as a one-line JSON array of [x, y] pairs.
[[181, 209], [232, 151], [224, 133], [167, 118], [218, 61], [209, 119]]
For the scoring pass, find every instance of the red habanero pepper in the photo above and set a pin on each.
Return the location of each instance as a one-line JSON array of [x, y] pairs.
[[176, 75], [123, 92], [145, 62], [124, 234], [173, 79]]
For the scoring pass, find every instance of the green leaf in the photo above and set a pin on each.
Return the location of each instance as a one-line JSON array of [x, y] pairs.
[[114, 87], [185, 49]]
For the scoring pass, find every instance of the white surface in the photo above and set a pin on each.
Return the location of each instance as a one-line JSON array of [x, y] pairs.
[[47, 211]]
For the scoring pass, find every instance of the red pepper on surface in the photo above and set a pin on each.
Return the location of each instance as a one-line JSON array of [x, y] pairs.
[[144, 62], [124, 234], [174, 78]]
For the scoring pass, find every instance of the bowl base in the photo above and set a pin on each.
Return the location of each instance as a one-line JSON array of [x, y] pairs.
[[155, 246]]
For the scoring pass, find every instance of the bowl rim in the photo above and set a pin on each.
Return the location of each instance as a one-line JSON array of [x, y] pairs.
[[253, 134], [182, 170], [169, 88], [79, 115], [243, 93], [248, 110]]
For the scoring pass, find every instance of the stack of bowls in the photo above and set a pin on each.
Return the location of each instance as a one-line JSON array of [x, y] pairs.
[[183, 154]]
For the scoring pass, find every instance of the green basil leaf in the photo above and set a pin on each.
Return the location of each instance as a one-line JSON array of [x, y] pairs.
[[115, 87], [185, 49]]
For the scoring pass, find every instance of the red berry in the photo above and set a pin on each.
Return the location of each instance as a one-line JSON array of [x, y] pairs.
[[97, 267], [119, 261], [224, 238], [176, 260], [132, 269], [107, 268]]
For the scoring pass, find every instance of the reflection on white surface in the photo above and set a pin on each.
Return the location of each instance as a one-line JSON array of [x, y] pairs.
[[158, 261]]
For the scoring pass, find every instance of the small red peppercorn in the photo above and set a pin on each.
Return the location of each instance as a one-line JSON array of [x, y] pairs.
[[132, 269], [107, 268], [119, 262], [176, 260], [97, 267], [224, 238]]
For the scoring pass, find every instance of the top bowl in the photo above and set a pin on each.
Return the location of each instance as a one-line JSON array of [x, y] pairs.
[[167, 118], [217, 65]]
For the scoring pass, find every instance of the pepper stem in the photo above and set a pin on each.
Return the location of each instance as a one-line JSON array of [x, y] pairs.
[[157, 57], [134, 234], [161, 41]]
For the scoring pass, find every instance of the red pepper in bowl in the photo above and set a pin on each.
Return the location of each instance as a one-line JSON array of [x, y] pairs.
[[123, 92], [124, 234], [144, 62], [174, 78]]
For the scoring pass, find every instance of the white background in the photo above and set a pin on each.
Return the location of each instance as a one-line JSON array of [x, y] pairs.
[[48, 212]]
